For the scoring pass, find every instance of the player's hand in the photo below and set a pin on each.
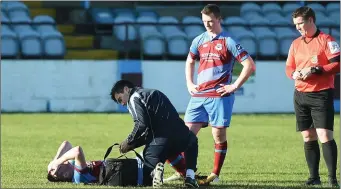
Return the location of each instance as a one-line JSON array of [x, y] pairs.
[[125, 147], [192, 88], [226, 89], [305, 73], [296, 75], [53, 167]]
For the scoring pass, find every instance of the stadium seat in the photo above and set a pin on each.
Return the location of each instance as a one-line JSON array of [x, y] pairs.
[[235, 24], [193, 31], [335, 16], [324, 23], [268, 8], [317, 8], [170, 30], [9, 43], [250, 7], [285, 37], [124, 12], [21, 24], [147, 30], [15, 8], [267, 42], [332, 8], [289, 8], [44, 23], [178, 46], [102, 15], [248, 41], [22, 28], [149, 13], [30, 44], [120, 31], [153, 45], [53, 44], [4, 18]]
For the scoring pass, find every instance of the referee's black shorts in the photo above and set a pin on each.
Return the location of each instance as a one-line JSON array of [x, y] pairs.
[[314, 109]]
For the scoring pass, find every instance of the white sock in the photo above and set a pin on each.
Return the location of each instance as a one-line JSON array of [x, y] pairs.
[[190, 173]]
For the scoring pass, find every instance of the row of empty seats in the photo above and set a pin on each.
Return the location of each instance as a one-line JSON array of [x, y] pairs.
[[22, 36]]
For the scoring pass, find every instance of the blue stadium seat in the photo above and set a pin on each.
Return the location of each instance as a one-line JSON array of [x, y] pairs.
[[324, 23], [153, 45], [44, 23], [178, 46], [317, 8], [22, 28], [120, 30], [250, 7], [9, 43], [102, 15], [53, 44], [148, 13], [248, 41], [31, 46], [16, 9], [4, 18], [285, 37], [147, 30], [289, 8], [193, 30], [170, 30], [332, 8], [267, 42], [335, 16], [268, 8], [124, 12], [235, 24]]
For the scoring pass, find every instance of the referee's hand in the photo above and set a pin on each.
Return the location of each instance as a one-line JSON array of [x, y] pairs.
[[305, 73]]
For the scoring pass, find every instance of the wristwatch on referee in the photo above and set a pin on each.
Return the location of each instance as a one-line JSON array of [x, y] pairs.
[[316, 70]]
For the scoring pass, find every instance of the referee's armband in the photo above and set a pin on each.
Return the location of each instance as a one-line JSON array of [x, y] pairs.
[[316, 70]]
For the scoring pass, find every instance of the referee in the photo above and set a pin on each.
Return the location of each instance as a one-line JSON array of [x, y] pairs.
[[313, 60]]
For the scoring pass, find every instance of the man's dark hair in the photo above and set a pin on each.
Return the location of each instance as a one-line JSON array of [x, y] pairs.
[[119, 86], [211, 8], [305, 12], [52, 178]]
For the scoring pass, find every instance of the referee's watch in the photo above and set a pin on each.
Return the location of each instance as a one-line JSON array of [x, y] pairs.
[[316, 70]]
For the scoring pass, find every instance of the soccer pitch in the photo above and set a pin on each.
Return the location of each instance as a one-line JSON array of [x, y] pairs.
[[264, 151]]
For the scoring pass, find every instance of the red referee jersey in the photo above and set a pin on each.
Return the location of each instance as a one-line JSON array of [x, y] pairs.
[[319, 50]]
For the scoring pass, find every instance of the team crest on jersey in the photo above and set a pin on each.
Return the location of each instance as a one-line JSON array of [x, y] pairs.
[[219, 47], [314, 59], [333, 47]]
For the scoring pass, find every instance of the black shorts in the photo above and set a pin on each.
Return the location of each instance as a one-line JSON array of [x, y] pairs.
[[314, 109]]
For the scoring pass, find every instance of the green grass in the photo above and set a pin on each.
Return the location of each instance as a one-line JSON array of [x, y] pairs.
[[265, 151]]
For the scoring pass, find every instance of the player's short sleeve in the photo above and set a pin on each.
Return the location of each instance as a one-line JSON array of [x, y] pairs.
[[193, 50], [332, 48], [237, 51]]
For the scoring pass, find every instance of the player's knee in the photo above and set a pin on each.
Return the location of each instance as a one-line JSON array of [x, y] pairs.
[[78, 150], [309, 135], [65, 142], [324, 135]]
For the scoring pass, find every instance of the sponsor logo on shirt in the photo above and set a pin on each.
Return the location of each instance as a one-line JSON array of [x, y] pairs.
[[205, 45], [219, 47], [333, 47]]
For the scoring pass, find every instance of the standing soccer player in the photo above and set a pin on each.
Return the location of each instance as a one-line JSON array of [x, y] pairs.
[[213, 94], [312, 62]]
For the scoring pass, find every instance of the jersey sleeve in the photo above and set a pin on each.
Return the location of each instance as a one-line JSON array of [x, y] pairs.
[[290, 65], [193, 50], [237, 51], [332, 49]]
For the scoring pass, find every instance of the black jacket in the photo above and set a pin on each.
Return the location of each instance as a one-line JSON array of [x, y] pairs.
[[154, 117]]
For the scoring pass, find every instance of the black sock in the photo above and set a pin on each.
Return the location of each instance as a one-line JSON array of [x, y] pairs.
[[330, 156], [312, 156]]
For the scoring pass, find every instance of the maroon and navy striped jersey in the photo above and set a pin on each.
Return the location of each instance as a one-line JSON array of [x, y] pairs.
[[217, 56]]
